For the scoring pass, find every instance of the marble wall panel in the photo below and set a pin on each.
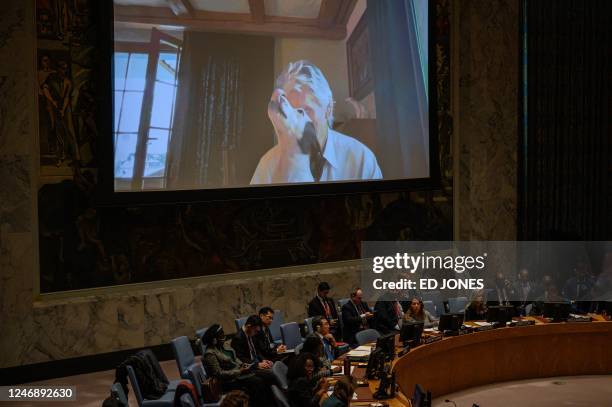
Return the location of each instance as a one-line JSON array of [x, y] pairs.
[[488, 121], [15, 112], [15, 36], [16, 294], [15, 195]]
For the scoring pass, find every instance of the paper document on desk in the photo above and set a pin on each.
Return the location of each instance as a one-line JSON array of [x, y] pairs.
[[360, 351], [341, 373], [482, 323], [430, 330]]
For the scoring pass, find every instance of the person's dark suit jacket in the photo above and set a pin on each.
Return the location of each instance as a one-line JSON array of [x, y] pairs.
[[262, 342], [471, 314], [386, 317], [315, 308], [301, 393], [241, 347], [352, 321]]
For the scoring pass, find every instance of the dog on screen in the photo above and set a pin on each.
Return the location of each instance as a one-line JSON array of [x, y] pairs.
[[295, 131]]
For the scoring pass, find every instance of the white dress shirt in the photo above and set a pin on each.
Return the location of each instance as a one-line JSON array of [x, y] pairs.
[[345, 158]]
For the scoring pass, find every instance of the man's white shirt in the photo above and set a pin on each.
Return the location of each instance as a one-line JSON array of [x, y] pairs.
[[345, 158]]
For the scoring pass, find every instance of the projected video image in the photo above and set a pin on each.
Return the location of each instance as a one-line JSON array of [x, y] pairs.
[[295, 104]]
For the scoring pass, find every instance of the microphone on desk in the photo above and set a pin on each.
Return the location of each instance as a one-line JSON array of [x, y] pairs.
[[450, 401]]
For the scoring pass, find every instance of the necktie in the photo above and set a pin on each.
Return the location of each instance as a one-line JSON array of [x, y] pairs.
[[267, 335], [328, 352], [251, 349], [360, 311], [326, 308], [398, 310]]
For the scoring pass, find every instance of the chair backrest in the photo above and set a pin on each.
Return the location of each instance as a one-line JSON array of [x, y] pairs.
[[367, 336], [489, 294], [436, 297], [135, 386], [430, 307], [275, 325], [457, 304], [240, 323], [279, 396], [298, 348], [196, 375], [117, 388], [186, 400], [343, 301], [200, 333], [279, 369], [290, 333], [183, 353], [308, 322]]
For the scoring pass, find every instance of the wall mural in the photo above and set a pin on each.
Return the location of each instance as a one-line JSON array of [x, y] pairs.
[[65, 57], [82, 246]]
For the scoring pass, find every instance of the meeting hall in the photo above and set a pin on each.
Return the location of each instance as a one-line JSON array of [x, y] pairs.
[[306, 203]]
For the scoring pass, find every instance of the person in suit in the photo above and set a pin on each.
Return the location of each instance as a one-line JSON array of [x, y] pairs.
[[320, 325], [305, 390], [525, 290], [263, 340], [220, 362], [356, 316], [476, 310], [244, 344], [389, 313], [322, 304]]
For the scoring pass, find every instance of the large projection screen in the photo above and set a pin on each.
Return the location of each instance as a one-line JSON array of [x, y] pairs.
[[218, 109]]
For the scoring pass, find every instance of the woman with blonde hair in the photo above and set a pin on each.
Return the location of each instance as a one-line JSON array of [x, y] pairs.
[[476, 310]]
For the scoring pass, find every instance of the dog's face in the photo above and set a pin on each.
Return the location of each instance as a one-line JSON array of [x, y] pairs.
[[293, 125], [288, 121]]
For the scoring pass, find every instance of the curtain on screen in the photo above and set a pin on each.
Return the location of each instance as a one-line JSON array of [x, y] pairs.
[[401, 102], [224, 84]]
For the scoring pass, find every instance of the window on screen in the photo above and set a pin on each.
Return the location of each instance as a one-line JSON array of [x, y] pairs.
[[144, 101]]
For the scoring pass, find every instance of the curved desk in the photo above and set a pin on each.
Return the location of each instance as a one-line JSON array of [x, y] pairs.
[[505, 354]]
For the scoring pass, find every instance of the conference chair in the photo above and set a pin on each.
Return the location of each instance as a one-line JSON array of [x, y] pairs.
[[275, 330], [298, 348], [308, 322], [166, 400], [430, 307], [240, 323], [188, 367], [200, 333], [186, 401], [367, 336], [183, 354], [343, 301], [279, 396], [290, 333], [457, 305], [438, 300], [117, 390], [279, 369]]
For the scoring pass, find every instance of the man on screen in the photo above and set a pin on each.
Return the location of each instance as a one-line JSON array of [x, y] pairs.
[[308, 149]]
